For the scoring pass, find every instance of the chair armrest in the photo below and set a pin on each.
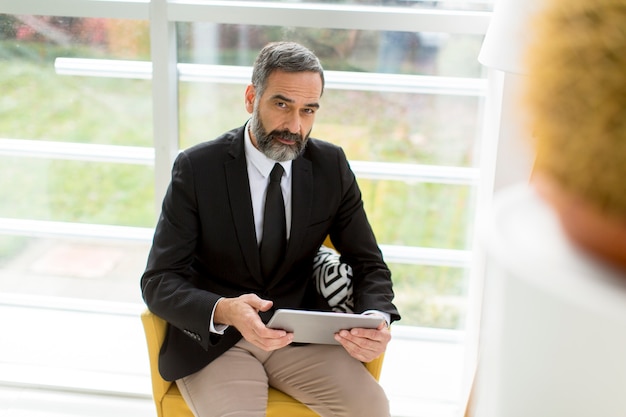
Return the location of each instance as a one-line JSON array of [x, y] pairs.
[[375, 366], [154, 328]]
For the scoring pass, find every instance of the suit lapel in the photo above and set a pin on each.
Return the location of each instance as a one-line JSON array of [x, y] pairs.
[[238, 187]]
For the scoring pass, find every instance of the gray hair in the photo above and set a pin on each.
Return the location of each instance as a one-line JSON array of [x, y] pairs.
[[283, 56]]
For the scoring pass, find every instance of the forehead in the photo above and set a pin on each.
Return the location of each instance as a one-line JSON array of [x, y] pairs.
[[305, 85]]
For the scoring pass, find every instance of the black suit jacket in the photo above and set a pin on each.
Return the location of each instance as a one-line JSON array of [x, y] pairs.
[[205, 245]]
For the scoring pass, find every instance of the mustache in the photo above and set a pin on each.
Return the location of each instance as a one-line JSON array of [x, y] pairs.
[[285, 134]]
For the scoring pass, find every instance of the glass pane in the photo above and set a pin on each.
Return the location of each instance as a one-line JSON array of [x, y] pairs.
[[419, 53], [207, 110], [73, 191], [423, 214], [408, 128], [37, 103], [430, 296], [88, 269]]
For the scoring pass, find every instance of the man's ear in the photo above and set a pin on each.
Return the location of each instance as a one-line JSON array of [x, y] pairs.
[[250, 96]]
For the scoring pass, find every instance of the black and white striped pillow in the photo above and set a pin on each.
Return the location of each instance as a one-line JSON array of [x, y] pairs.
[[333, 280]]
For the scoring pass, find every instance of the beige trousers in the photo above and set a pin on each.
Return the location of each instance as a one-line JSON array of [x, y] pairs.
[[324, 377]]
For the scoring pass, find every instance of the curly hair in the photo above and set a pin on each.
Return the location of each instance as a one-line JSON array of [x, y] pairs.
[[575, 94]]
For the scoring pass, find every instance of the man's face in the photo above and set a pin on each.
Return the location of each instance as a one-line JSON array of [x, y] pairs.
[[283, 116]]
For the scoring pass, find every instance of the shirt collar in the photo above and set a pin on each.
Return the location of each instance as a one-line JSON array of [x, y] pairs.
[[258, 159]]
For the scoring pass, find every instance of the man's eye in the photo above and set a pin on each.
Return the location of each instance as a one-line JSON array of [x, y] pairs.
[[309, 111]]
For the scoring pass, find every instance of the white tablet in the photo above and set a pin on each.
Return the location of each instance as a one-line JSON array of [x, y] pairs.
[[320, 326]]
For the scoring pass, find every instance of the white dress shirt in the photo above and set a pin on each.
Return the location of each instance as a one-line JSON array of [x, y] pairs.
[[259, 168]]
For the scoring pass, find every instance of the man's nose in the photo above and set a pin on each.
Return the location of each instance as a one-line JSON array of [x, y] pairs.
[[293, 123]]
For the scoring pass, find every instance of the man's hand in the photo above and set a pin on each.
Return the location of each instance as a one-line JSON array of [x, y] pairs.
[[243, 313], [365, 344]]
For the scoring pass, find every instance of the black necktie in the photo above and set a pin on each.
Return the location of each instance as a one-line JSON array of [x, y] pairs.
[[274, 238]]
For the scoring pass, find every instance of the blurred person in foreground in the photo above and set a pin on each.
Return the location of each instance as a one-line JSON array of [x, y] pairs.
[[205, 275], [575, 94], [555, 301]]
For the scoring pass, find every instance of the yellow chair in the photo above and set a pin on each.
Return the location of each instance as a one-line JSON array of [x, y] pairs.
[[170, 403]]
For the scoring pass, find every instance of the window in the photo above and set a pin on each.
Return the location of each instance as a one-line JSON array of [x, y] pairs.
[[76, 155], [92, 120]]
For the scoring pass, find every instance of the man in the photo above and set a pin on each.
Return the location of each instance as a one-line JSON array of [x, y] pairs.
[[204, 274]]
